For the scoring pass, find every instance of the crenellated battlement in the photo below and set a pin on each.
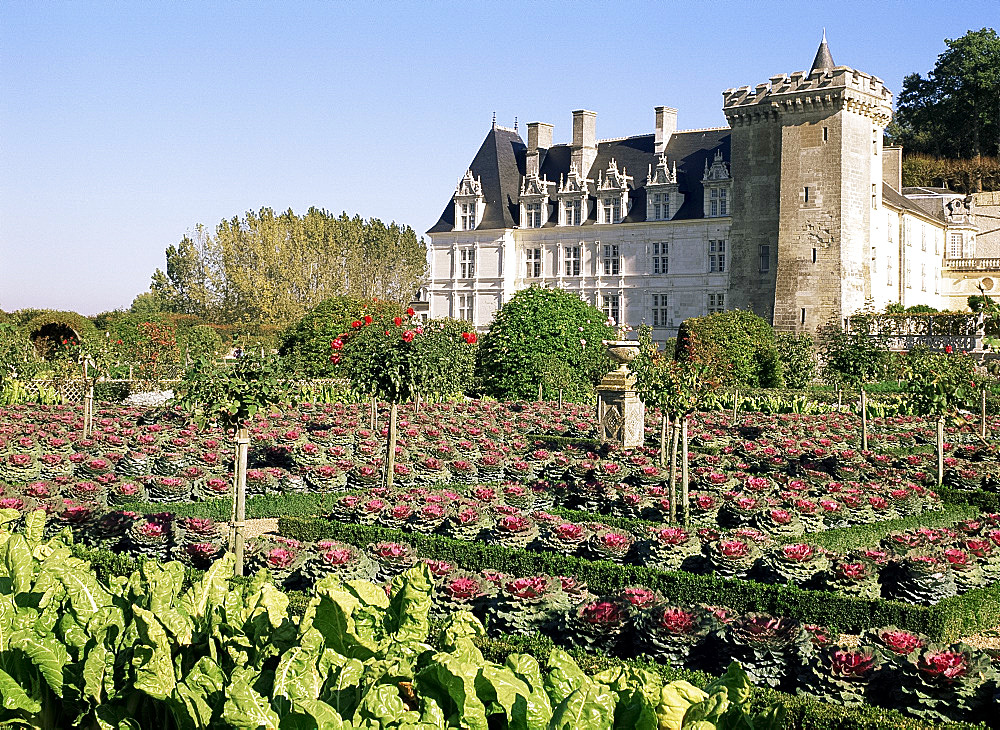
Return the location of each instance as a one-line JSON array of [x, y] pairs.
[[831, 89]]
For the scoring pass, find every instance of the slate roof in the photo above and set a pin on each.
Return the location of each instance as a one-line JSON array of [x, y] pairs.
[[500, 164], [896, 200], [824, 59]]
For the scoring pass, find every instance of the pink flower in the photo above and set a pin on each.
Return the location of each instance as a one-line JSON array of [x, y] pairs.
[[845, 663], [638, 596], [535, 587], [567, 531], [734, 548], [677, 620]]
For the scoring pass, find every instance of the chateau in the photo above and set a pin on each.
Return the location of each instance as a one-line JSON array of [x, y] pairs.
[[795, 211]]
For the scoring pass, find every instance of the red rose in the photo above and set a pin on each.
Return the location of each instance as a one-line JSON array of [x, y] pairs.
[[409, 311], [398, 321], [949, 349], [368, 319], [356, 324], [409, 335]]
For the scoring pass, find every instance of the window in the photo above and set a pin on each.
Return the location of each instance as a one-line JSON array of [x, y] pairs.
[[909, 277], [465, 307], [611, 210], [826, 134], [874, 196], [723, 201], [572, 261], [765, 258], [955, 245], [714, 202], [571, 212], [923, 277], [888, 270], [716, 256], [533, 258], [533, 215], [923, 238], [612, 262], [814, 256], [661, 206], [468, 216], [805, 194], [802, 315], [716, 302], [612, 307], [660, 311], [660, 261], [467, 261]]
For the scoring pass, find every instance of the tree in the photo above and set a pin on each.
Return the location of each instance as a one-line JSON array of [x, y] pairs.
[[231, 395], [268, 268], [538, 334], [954, 111], [738, 343]]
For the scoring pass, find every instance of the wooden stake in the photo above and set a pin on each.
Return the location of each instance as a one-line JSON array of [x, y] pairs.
[[390, 458], [560, 399], [736, 404], [982, 414], [864, 420], [240, 506], [374, 415], [539, 392], [674, 437], [664, 422], [940, 451], [685, 501]]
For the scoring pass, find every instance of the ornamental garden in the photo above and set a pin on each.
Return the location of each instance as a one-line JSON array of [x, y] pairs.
[[438, 536]]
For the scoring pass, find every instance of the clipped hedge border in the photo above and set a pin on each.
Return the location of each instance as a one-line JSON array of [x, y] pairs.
[[258, 506], [950, 619], [979, 498]]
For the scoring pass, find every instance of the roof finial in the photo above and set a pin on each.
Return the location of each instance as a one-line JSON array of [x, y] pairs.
[[494, 120], [515, 124], [823, 60]]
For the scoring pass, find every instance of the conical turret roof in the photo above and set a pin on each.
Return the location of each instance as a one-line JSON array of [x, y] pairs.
[[823, 58]]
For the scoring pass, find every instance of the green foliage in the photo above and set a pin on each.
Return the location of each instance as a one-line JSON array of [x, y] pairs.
[[17, 356], [270, 268], [961, 615], [941, 384], [852, 358], [407, 358], [678, 386], [737, 343], [539, 335], [954, 111], [230, 394], [200, 341], [305, 345]]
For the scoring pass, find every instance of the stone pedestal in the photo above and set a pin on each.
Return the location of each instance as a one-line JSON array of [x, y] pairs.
[[621, 414]]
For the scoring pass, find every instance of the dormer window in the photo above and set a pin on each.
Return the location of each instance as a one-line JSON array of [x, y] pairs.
[[469, 203], [573, 193], [611, 210], [534, 201], [663, 197], [717, 183], [612, 194]]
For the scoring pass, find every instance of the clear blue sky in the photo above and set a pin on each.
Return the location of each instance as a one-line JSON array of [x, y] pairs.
[[123, 125]]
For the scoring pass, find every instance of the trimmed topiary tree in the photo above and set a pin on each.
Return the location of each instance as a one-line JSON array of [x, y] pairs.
[[797, 352], [738, 343], [546, 336], [305, 347]]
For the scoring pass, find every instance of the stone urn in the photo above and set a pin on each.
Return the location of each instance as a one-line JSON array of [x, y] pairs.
[[622, 351]]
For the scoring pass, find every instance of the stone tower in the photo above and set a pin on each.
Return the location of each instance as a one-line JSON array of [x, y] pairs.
[[807, 177]]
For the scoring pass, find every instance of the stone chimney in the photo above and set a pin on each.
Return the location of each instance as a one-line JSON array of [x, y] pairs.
[[892, 168], [539, 138], [666, 125], [584, 140]]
